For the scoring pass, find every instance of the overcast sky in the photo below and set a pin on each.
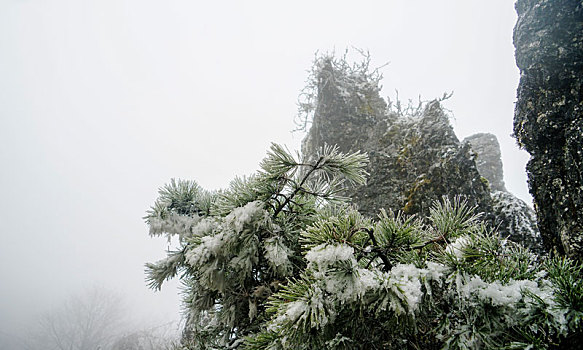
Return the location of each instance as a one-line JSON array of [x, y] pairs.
[[102, 102]]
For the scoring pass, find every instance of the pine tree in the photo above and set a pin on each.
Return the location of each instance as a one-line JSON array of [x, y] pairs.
[[238, 246], [280, 261]]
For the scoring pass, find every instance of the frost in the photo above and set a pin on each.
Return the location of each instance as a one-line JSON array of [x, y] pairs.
[[456, 248], [324, 255], [277, 255], [209, 246], [241, 216], [173, 224]]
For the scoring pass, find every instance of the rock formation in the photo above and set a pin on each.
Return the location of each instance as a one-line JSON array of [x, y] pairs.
[[516, 220], [415, 156], [489, 160], [548, 120], [513, 216]]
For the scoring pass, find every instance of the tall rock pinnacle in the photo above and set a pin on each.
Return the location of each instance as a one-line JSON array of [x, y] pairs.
[[548, 120]]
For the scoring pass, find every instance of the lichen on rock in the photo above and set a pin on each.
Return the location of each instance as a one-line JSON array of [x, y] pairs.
[[548, 120]]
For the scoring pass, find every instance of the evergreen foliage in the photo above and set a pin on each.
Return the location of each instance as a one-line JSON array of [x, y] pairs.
[[280, 261]]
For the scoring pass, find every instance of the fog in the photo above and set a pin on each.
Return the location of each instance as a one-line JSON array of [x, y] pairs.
[[102, 102]]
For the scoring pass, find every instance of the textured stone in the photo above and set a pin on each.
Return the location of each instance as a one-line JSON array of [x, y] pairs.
[[489, 160], [517, 220], [415, 158], [513, 217], [548, 120]]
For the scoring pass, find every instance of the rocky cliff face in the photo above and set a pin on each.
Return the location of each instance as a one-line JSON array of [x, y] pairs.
[[513, 216], [415, 156], [548, 119]]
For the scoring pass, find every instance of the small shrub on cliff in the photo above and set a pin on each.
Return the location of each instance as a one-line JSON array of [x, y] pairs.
[[280, 261]]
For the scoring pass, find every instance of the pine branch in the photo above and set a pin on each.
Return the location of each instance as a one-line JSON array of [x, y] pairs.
[[299, 188], [379, 251], [165, 269]]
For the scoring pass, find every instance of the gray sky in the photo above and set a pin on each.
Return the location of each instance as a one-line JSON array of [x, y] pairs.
[[102, 102]]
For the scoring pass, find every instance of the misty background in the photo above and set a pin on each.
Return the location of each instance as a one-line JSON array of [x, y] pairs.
[[102, 102]]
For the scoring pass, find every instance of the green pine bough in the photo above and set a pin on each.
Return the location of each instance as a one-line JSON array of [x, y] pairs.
[[281, 260]]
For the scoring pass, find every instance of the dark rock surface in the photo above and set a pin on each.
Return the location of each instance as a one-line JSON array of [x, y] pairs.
[[517, 220], [415, 157], [513, 217], [548, 120], [489, 160]]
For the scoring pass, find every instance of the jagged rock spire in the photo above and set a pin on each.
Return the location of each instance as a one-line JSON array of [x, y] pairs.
[[415, 156], [489, 160]]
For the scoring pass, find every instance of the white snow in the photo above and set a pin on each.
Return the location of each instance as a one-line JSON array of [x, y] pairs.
[[516, 296], [204, 227], [326, 254], [457, 248], [209, 246], [435, 271], [405, 281], [294, 310], [277, 254], [249, 213], [518, 211], [367, 280], [401, 288], [312, 309], [173, 224]]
